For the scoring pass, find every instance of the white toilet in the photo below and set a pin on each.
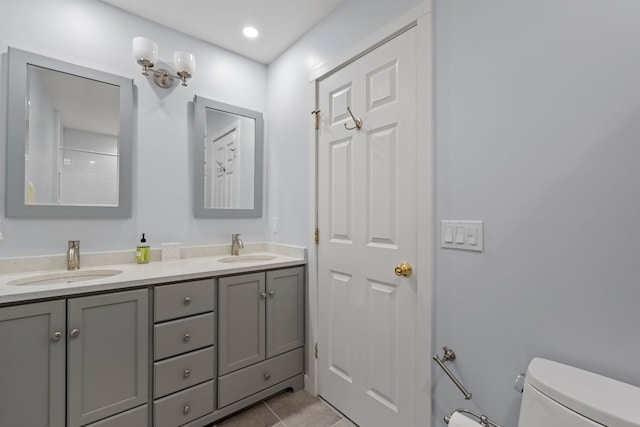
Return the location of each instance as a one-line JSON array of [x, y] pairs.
[[557, 395]]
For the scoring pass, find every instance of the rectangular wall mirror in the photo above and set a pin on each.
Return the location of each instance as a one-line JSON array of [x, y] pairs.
[[69, 140], [228, 147]]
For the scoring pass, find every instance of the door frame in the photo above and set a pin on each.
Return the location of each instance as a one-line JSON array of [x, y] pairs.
[[419, 17]]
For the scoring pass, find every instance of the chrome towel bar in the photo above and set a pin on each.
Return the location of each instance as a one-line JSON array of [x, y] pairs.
[[450, 355]]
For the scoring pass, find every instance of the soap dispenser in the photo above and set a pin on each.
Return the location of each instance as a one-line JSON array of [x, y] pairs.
[[143, 252]]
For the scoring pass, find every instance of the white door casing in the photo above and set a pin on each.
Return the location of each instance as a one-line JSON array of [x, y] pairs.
[[366, 213]]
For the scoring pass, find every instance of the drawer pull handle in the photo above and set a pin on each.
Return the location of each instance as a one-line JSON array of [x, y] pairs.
[[272, 293], [75, 332], [263, 295], [186, 337], [186, 373], [187, 301], [186, 409], [57, 336], [267, 375]]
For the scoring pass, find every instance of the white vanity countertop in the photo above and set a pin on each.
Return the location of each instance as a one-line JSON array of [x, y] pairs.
[[155, 272]]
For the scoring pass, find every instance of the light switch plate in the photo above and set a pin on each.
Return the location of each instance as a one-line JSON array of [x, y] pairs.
[[464, 235]]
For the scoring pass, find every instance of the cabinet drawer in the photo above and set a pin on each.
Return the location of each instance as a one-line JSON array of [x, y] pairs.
[[182, 372], [242, 383], [138, 417], [180, 336], [182, 407], [183, 299]]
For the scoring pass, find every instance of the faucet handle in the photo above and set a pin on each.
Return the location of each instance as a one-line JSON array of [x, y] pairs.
[[73, 255]]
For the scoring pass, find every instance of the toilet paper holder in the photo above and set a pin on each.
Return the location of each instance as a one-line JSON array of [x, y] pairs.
[[450, 355], [482, 419]]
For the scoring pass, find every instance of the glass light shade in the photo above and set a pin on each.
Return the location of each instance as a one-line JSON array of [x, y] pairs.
[[184, 62], [145, 49]]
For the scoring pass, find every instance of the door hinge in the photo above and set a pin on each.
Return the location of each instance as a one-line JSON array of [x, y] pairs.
[[317, 235], [317, 113], [316, 350]]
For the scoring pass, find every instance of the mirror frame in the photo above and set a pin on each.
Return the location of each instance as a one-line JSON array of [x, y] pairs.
[[16, 131], [200, 106]]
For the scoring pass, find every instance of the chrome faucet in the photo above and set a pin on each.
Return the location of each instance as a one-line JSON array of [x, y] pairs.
[[73, 255], [236, 244]]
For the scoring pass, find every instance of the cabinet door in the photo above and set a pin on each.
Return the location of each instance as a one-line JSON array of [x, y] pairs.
[[108, 351], [32, 363], [241, 310], [285, 310]]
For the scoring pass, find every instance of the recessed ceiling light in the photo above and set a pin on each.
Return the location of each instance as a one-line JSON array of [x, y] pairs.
[[250, 32]]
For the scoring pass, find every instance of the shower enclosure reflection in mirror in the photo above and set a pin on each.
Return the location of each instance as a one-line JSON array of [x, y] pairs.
[[69, 140]]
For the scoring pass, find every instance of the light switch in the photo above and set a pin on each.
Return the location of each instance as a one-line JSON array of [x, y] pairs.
[[465, 235], [448, 234], [472, 235]]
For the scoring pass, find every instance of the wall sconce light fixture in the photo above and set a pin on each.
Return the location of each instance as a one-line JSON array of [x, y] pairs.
[[145, 51]]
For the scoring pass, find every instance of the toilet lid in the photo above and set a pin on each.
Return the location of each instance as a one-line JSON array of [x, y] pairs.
[[599, 398]]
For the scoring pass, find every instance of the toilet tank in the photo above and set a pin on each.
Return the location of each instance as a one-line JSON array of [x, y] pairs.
[[557, 395]]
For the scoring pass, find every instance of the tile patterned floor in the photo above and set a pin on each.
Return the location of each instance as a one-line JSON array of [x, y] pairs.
[[299, 409]]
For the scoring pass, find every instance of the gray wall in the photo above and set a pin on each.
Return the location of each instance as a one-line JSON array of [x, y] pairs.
[[93, 34], [537, 134]]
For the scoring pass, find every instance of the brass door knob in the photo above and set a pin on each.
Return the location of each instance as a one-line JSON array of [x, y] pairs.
[[404, 270]]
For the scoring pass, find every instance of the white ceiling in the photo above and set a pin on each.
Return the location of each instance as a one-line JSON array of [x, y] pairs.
[[220, 22]]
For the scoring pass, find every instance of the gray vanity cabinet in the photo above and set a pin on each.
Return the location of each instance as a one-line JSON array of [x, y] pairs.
[[108, 355], [184, 352], [32, 360], [285, 310], [241, 316], [94, 362], [261, 331]]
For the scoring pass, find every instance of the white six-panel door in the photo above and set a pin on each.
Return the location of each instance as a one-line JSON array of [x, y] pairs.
[[367, 224], [225, 154]]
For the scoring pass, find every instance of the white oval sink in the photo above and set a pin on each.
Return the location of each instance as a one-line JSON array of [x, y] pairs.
[[63, 277], [247, 258]]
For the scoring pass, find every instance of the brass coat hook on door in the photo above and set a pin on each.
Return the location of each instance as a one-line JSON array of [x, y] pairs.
[[358, 122]]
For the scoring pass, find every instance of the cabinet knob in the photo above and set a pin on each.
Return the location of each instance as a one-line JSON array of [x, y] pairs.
[[263, 295], [186, 373], [272, 293], [187, 300], [267, 375], [186, 409], [186, 337], [57, 335], [75, 332]]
